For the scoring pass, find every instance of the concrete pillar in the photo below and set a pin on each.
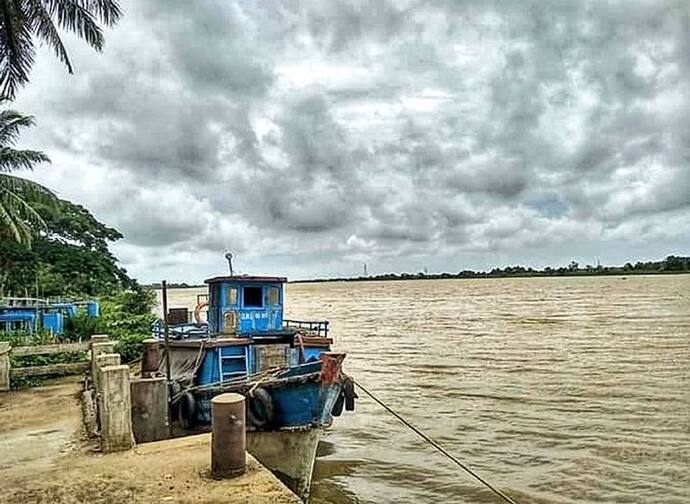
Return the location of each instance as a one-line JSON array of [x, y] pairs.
[[149, 409], [116, 409], [99, 338], [151, 358], [4, 365], [104, 360], [106, 347], [228, 439]]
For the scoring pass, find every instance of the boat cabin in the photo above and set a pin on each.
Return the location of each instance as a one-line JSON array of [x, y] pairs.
[[245, 305]]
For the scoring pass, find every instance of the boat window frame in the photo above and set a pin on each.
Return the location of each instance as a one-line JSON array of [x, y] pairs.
[[273, 289], [229, 290], [260, 297]]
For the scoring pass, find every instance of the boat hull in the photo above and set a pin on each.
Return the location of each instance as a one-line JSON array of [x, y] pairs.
[[289, 454]]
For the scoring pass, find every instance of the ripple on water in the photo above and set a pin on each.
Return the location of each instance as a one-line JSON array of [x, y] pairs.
[[559, 390]]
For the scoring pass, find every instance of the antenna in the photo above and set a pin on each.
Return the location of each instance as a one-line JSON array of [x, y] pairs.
[[228, 256]]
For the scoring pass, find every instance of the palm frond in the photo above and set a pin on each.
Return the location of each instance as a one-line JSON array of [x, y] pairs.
[[11, 123], [74, 17], [28, 189], [42, 25], [18, 217], [107, 11], [13, 159], [16, 48]]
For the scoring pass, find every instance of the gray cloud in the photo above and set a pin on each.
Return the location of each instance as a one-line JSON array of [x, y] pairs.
[[309, 134]]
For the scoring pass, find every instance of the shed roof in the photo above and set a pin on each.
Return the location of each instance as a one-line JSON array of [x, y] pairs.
[[246, 278]]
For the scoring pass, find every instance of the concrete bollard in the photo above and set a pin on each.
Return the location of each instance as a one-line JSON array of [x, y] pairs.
[[99, 338], [104, 360], [151, 358], [104, 347], [115, 412], [228, 439], [149, 409], [4, 365]]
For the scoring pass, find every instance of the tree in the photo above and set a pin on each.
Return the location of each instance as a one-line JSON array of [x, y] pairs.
[[19, 219], [24, 22], [71, 257]]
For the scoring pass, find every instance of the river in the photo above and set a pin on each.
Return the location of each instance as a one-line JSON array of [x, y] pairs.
[[557, 390]]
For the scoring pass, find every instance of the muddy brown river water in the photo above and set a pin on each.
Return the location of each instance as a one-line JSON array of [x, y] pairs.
[[558, 390]]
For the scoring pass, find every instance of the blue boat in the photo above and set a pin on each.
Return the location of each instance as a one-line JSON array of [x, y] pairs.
[[294, 385]]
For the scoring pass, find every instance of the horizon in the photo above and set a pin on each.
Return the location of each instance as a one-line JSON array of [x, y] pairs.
[[310, 140], [556, 271]]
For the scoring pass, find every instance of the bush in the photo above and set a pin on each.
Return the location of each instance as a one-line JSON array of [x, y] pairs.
[[127, 317]]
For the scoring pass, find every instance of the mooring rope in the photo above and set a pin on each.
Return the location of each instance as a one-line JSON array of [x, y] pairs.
[[440, 448]]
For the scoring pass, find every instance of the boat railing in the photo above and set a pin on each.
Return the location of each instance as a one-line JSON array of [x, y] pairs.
[[319, 327], [23, 302], [179, 331]]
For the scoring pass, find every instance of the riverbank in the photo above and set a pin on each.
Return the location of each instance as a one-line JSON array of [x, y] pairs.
[[46, 458]]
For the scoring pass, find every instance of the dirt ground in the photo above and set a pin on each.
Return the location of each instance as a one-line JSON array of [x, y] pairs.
[[45, 458]]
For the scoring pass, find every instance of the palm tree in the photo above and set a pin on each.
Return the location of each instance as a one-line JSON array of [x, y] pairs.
[[19, 220], [24, 21]]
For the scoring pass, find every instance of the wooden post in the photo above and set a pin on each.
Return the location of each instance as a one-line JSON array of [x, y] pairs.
[[4, 365], [116, 409], [149, 409], [228, 439], [164, 295]]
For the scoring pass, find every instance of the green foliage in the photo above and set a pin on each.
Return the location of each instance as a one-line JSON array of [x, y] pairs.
[[19, 218], [70, 259], [672, 264], [40, 338], [130, 346], [127, 317]]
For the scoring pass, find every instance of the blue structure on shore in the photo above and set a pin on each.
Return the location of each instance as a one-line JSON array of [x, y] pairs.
[[292, 382], [29, 315]]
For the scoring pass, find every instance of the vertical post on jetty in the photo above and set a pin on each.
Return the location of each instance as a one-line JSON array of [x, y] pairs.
[[4, 366], [151, 358], [164, 293], [116, 409], [228, 438], [98, 348]]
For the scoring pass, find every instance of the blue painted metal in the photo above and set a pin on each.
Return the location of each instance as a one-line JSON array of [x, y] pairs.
[[27, 316], [53, 322], [243, 306], [93, 309], [245, 335], [18, 319]]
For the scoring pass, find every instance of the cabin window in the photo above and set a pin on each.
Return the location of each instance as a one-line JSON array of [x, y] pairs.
[[232, 295], [273, 295], [213, 296], [253, 297]]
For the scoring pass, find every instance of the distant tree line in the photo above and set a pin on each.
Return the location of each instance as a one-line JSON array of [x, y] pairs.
[[670, 265]]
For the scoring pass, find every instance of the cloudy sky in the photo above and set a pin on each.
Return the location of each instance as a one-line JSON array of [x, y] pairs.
[[310, 137]]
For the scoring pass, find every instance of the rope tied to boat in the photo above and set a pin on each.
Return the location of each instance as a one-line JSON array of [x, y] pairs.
[[437, 446]]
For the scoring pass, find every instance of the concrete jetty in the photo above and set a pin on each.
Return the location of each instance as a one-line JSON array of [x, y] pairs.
[[46, 457]]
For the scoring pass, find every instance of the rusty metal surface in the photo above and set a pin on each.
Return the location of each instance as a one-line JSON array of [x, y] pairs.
[[331, 366], [178, 316]]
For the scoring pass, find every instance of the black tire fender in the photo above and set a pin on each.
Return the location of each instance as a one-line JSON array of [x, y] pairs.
[[350, 394], [186, 410], [260, 408], [338, 406]]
